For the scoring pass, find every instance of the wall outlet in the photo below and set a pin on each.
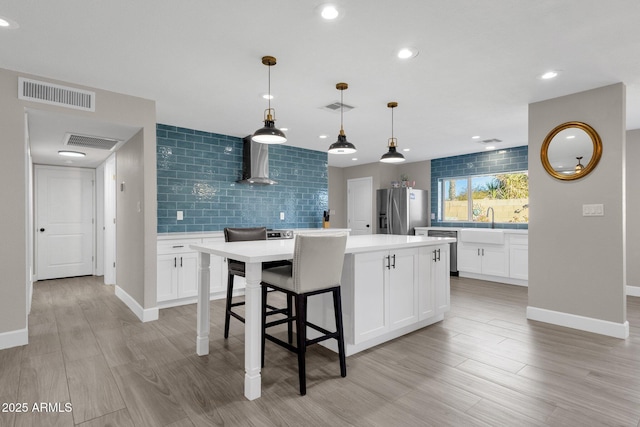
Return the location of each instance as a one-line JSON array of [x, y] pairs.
[[180, 215], [593, 210], [282, 216]]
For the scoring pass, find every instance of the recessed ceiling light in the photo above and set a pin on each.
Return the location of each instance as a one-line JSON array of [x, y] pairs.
[[491, 147], [329, 12], [284, 129], [8, 23], [267, 96], [323, 137], [354, 158], [407, 53], [549, 75], [71, 153], [475, 137], [406, 149]]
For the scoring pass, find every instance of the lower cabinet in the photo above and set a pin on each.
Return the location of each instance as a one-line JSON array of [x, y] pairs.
[[519, 257], [392, 290], [491, 260], [178, 269]]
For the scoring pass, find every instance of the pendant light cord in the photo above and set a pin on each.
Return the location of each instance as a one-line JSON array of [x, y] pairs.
[[341, 108], [269, 90]]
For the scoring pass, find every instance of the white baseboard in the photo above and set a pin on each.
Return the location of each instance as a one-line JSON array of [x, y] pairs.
[[145, 315], [499, 279], [14, 338], [588, 324], [633, 291]]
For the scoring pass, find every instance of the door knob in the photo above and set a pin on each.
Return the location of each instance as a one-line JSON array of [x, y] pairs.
[[42, 230]]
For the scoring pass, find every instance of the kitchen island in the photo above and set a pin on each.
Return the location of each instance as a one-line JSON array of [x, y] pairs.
[[391, 286]]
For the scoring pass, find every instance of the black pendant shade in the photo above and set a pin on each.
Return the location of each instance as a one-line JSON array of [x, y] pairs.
[[342, 146], [269, 134], [392, 156]]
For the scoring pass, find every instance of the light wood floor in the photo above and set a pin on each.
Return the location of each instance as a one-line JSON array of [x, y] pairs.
[[485, 364]]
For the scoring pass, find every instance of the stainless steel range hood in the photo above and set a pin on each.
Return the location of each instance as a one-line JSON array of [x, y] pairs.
[[255, 163]]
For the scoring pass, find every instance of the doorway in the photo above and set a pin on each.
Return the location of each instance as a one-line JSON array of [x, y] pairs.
[[359, 205], [64, 221]]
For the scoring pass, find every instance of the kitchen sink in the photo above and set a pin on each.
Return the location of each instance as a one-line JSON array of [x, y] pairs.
[[482, 235]]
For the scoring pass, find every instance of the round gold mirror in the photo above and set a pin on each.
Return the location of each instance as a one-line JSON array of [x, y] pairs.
[[571, 151]]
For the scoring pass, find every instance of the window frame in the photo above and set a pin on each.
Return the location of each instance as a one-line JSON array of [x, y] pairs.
[[469, 179]]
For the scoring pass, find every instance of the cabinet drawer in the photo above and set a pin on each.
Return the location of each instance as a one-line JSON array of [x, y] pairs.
[[519, 239], [176, 246]]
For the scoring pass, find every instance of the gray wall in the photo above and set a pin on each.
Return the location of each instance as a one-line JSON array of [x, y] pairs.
[[575, 262], [382, 174], [110, 107], [633, 209]]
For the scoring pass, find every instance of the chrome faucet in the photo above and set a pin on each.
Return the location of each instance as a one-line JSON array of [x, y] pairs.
[[493, 224]]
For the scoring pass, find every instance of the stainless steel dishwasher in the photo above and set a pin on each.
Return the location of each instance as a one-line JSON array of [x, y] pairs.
[[453, 248]]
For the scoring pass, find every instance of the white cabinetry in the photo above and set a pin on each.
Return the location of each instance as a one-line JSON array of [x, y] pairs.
[[177, 278], [177, 270], [484, 259], [519, 256], [385, 292], [435, 282]]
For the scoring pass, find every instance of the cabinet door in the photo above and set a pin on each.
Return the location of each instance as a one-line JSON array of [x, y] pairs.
[[403, 289], [370, 296], [167, 277], [426, 289], [469, 258], [187, 274], [441, 279], [494, 261], [519, 262]]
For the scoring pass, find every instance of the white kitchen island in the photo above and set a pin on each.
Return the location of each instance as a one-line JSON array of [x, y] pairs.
[[391, 284]]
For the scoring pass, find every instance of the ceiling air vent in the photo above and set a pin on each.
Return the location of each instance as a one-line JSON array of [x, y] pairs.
[[336, 107], [490, 141], [52, 94], [86, 141]]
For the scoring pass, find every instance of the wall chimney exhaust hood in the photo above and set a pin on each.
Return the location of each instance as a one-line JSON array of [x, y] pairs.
[[255, 163]]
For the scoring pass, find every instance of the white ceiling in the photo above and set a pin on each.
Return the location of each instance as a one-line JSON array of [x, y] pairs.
[[477, 70]]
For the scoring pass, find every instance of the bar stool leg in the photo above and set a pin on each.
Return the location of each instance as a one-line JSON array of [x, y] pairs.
[[227, 313], [301, 330], [290, 316], [337, 306]]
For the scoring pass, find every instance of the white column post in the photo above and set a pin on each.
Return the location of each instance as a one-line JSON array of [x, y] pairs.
[[202, 338], [252, 331]]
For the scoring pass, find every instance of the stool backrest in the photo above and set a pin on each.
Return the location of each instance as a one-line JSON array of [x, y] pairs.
[[245, 234], [317, 261]]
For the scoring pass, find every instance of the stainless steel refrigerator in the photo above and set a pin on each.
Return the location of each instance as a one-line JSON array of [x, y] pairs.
[[401, 210]]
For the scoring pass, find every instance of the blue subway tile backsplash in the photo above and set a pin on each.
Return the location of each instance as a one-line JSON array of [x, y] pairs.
[[197, 174], [507, 160]]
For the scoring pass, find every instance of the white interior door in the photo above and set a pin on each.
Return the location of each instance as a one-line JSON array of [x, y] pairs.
[[64, 222], [359, 205]]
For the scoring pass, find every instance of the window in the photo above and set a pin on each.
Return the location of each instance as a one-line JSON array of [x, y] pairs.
[[469, 198]]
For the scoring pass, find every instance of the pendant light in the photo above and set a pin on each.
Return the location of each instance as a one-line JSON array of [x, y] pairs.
[[342, 146], [269, 134], [392, 156], [579, 166]]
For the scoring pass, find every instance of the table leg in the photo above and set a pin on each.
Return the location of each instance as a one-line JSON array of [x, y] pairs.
[[252, 331], [202, 338]]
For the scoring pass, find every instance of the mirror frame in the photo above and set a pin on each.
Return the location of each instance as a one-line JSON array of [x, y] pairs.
[[595, 158]]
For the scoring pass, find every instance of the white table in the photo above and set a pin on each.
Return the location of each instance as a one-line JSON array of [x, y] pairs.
[[253, 254]]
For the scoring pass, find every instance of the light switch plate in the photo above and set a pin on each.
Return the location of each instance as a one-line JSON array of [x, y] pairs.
[[593, 210], [180, 215], [282, 216]]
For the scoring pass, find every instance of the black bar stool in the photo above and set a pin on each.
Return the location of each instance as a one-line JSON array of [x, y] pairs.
[[316, 269], [237, 268]]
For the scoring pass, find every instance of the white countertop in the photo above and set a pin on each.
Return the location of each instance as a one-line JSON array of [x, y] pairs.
[[505, 230], [220, 234], [273, 250]]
